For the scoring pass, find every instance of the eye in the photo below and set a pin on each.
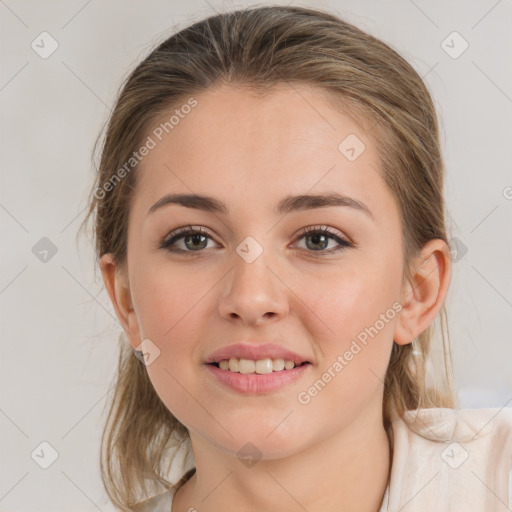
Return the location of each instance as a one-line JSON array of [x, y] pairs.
[[317, 239], [191, 240]]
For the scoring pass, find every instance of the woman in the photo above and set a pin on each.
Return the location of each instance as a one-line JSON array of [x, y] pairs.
[[270, 228]]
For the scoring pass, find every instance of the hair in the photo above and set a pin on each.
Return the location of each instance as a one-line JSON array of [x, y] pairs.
[[259, 48]]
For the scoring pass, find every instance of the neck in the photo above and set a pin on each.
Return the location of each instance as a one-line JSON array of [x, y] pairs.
[[348, 471]]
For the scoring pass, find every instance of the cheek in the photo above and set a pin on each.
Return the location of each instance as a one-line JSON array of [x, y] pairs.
[[173, 305], [352, 321], [168, 297], [354, 344], [342, 305], [175, 373]]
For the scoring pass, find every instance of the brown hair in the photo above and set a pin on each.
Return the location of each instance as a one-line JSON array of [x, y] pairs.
[[258, 48]]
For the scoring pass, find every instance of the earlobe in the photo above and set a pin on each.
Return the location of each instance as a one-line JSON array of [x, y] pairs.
[[425, 295]]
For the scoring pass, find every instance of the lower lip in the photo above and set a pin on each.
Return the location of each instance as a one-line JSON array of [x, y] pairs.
[[255, 384]]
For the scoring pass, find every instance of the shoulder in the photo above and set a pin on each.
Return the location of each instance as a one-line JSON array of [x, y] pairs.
[[454, 456], [181, 469], [159, 503], [483, 434], [463, 425]]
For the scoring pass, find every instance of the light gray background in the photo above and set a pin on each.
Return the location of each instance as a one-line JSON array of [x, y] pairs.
[[59, 331]]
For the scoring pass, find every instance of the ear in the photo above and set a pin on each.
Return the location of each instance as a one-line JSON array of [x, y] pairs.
[[424, 296], [116, 283]]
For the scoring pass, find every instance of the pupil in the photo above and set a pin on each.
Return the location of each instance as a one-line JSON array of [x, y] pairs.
[[195, 238], [315, 238]]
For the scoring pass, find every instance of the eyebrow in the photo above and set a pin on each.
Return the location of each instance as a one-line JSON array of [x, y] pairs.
[[287, 205]]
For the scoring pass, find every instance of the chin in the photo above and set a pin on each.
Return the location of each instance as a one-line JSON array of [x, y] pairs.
[[249, 444]]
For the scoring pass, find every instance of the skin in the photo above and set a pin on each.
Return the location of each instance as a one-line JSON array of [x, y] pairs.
[[330, 454]]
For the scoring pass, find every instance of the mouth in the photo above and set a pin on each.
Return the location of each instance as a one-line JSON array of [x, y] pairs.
[[260, 377], [259, 367]]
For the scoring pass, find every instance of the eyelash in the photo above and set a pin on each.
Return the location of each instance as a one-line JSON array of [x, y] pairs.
[[168, 241]]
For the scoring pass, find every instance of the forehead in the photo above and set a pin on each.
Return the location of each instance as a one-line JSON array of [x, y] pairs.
[[289, 140]]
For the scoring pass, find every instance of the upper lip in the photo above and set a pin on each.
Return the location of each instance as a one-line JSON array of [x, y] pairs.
[[254, 352]]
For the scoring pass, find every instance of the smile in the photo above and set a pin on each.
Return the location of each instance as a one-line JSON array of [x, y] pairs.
[[261, 366], [256, 377]]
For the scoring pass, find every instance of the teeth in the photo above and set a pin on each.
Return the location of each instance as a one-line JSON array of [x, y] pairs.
[[246, 366], [288, 365], [261, 366]]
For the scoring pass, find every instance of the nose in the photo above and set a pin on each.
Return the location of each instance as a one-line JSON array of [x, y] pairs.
[[254, 292]]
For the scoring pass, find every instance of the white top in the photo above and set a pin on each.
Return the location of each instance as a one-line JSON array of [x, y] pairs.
[[465, 467]]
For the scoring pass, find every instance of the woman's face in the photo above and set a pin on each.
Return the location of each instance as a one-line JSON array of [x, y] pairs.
[[253, 277]]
